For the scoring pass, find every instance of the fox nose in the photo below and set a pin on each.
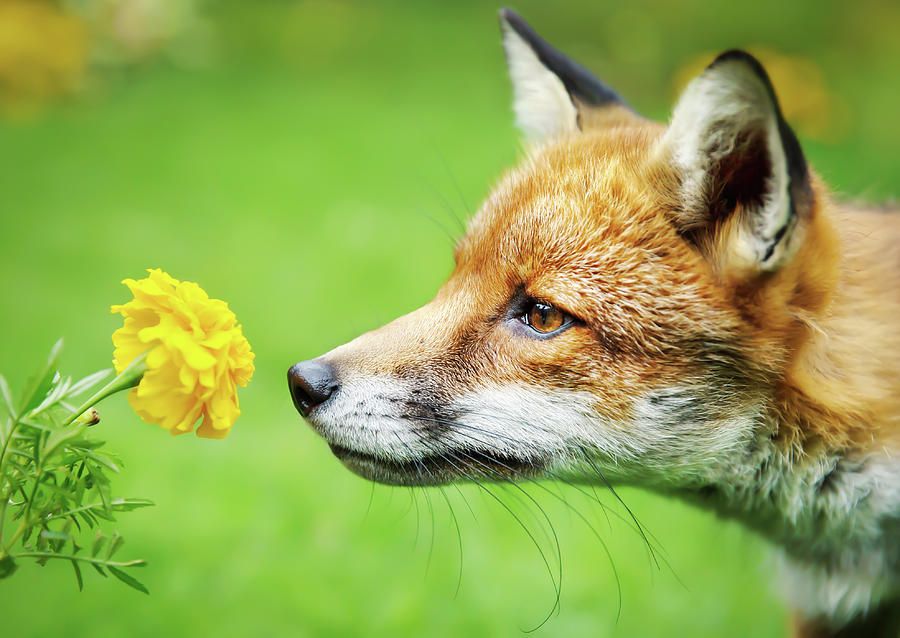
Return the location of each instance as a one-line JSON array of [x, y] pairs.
[[311, 383]]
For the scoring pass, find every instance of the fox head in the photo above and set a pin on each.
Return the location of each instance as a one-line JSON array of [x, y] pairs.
[[627, 300]]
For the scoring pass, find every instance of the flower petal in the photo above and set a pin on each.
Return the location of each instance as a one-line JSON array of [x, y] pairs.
[[197, 354]]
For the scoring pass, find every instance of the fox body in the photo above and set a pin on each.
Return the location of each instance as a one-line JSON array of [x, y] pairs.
[[682, 307]]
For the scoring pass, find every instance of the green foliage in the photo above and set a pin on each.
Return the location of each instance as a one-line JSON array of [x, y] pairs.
[[55, 488]]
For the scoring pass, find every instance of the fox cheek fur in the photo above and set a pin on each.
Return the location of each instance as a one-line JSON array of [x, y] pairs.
[[681, 307]]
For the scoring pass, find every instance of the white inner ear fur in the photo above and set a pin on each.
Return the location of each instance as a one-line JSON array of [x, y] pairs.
[[541, 103], [715, 109]]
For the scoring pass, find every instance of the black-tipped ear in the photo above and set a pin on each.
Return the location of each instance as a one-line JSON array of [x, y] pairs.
[[736, 155], [551, 92]]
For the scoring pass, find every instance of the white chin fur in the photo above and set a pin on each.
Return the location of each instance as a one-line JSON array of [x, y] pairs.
[[670, 439], [365, 415], [557, 427]]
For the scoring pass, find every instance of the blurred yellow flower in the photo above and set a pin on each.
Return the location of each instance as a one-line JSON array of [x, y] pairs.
[[197, 355], [43, 53]]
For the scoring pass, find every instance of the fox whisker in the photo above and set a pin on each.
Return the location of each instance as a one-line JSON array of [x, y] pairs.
[[450, 458]]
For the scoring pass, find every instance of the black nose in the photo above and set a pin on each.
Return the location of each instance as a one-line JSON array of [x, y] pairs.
[[311, 383]]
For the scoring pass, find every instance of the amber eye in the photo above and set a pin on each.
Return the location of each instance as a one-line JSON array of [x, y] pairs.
[[544, 318]]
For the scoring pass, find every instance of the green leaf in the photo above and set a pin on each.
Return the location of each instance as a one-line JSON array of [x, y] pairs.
[[99, 542], [74, 519], [104, 491], [96, 473], [6, 395], [129, 580], [102, 459], [49, 534], [99, 569], [89, 444], [78, 575], [129, 504], [7, 567], [6, 429], [60, 387], [86, 383], [34, 424], [40, 383], [104, 514], [62, 491], [88, 518], [114, 544], [58, 437]]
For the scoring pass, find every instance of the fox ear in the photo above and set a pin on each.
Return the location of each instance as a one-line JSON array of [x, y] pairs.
[[743, 178], [552, 94]]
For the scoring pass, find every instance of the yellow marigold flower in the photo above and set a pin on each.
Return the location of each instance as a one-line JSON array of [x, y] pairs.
[[197, 355]]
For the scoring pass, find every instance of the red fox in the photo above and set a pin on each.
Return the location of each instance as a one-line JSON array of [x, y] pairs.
[[683, 307]]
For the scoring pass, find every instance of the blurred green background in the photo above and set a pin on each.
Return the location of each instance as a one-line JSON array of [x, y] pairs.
[[301, 160]]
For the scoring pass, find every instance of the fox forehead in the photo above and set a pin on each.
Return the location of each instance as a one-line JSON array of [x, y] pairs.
[[585, 224]]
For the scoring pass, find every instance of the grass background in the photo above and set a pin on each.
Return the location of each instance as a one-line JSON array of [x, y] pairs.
[[299, 176]]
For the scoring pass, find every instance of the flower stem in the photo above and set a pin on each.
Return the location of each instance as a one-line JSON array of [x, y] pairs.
[[128, 378]]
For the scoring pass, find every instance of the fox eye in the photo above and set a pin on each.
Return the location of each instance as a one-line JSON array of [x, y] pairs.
[[544, 318]]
